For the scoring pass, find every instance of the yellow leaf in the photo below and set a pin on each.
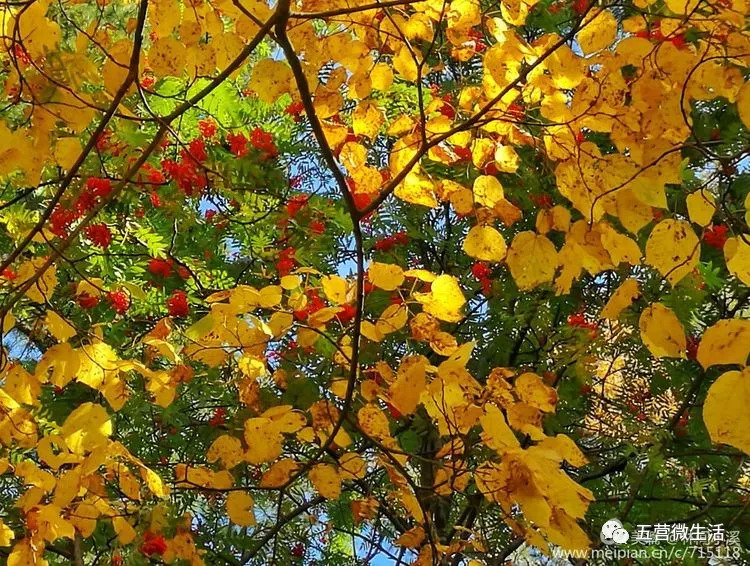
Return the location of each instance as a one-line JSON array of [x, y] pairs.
[[405, 64], [240, 508], [701, 207], [279, 474], [264, 442], [166, 349], [411, 538], [565, 449], [726, 342], [164, 16], [167, 57], [565, 532], [620, 247], [86, 428], [673, 249], [6, 534], [682, 6], [381, 77], [526, 419], [385, 276], [280, 323], [84, 518], [662, 332], [270, 296], [488, 191], [485, 244], [373, 422], [67, 151], [445, 299], [41, 290], [335, 288], [32, 475], [22, 387], [270, 79], [497, 434], [725, 410], [154, 482], [532, 260], [743, 108], [506, 159], [352, 466], [394, 318], [598, 33], [737, 256], [416, 189], [371, 331], [226, 448], [26, 552], [621, 299], [408, 387], [326, 480], [124, 530], [367, 119], [289, 282], [532, 390]]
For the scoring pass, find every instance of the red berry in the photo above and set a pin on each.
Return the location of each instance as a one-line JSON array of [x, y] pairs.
[[99, 235], [463, 153], [362, 200], [346, 314], [120, 301], [481, 271], [295, 204], [263, 142], [160, 267], [86, 301], [298, 550], [153, 544], [716, 236], [295, 109], [197, 150], [394, 412], [177, 304], [218, 418], [207, 128], [98, 187], [580, 6], [237, 144]]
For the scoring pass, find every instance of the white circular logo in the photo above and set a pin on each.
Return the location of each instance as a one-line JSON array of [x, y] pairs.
[[614, 533]]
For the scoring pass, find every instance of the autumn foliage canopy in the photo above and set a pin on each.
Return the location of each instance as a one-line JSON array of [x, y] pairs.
[[348, 282]]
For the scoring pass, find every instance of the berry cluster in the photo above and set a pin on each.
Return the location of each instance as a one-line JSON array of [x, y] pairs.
[[716, 236], [99, 235], [94, 190], [483, 273], [286, 261], [314, 304], [578, 320], [389, 242], [153, 544], [177, 304]]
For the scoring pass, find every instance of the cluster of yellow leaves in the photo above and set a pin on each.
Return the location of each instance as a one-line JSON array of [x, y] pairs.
[[66, 483], [725, 410], [644, 116]]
